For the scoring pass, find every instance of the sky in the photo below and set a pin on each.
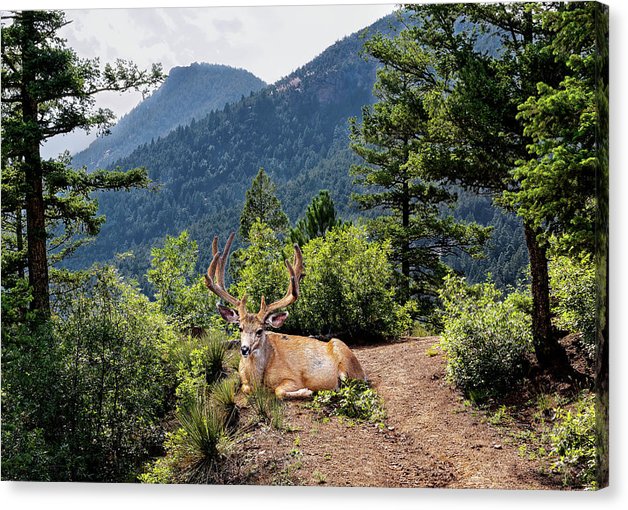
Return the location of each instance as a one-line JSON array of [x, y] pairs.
[[269, 41]]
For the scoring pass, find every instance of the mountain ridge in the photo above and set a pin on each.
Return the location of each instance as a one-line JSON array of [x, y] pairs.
[[188, 92]]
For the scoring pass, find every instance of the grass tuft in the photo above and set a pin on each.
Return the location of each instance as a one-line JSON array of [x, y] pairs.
[[268, 408]]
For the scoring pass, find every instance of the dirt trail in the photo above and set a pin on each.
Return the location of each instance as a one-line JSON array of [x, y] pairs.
[[430, 439]]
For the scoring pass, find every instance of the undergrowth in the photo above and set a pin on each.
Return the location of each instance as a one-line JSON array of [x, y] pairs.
[[563, 439], [354, 399]]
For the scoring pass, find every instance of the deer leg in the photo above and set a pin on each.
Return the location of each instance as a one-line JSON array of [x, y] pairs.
[[302, 393], [289, 390]]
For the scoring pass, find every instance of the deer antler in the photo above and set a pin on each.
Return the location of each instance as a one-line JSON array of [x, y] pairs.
[[215, 277], [296, 273]]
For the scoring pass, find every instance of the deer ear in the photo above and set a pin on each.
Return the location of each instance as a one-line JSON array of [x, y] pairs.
[[229, 314], [276, 320]]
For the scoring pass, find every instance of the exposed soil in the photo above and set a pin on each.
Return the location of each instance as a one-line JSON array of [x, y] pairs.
[[430, 439]]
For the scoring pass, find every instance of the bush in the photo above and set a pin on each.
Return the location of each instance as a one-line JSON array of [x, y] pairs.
[[573, 443], [196, 450], [259, 269], [199, 362], [348, 290], [112, 338], [486, 338], [574, 293], [179, 290], [91, 412], [354, 399]]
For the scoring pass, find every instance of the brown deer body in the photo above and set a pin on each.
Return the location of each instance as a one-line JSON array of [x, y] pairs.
[[292, 366]]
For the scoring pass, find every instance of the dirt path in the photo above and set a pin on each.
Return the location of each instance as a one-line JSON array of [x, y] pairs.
[[430, 439]]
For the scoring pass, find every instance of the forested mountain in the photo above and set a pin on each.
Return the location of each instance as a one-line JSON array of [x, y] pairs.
[[188, 92], [296, 129]]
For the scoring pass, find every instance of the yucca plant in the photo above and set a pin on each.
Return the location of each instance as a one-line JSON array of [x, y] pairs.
[[216, 348], [223, 395], [268, 408], [204, 440]]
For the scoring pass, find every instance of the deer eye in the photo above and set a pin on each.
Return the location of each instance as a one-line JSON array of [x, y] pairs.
[[259, 332]]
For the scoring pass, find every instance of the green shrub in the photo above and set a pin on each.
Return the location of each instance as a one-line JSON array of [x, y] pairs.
[[573, 291], [354, 399], [486, 338], [112, 338], [199, 363], [91, 412], [179, 290], [348, 290], [223, 394], [195, 451], [573, 443], [259, 270]]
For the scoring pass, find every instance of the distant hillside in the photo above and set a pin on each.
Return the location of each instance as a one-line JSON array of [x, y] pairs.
[[297, 129], [188, 92]]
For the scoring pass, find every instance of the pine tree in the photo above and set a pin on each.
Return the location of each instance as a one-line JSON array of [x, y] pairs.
[[412, 206], [477, 64], [261, 204], [47, 90], [320, 217]]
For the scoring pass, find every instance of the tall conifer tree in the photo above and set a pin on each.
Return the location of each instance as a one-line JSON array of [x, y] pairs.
[[47, 90], [262, 204]]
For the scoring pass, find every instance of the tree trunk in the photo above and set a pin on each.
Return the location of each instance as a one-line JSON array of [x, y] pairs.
[[405, 246], [35, 207], [19, 238], [546, 346], [36, 237]]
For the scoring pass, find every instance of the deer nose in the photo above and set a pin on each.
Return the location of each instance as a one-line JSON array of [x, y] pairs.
[[245, 350]]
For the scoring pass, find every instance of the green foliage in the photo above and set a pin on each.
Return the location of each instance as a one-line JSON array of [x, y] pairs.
[[348, 290], [82, 396], [199, 362], [320, 217], [267, 407], [572, 441], [412, 207], [262, 205], [486, 338], [198, 448], [573, 288], [202, 434], [559, 176], [179, 290], [260, 270], [196, 451], [354, 399], [223, 394]]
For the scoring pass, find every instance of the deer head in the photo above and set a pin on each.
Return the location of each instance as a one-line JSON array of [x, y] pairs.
[[252, 326]]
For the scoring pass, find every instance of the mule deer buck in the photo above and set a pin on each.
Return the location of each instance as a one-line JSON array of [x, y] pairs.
[[293, 366]]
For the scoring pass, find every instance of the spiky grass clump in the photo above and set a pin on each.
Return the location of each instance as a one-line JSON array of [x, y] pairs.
[[203, 438], [216, 346], [223, 394], [268, 408]]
